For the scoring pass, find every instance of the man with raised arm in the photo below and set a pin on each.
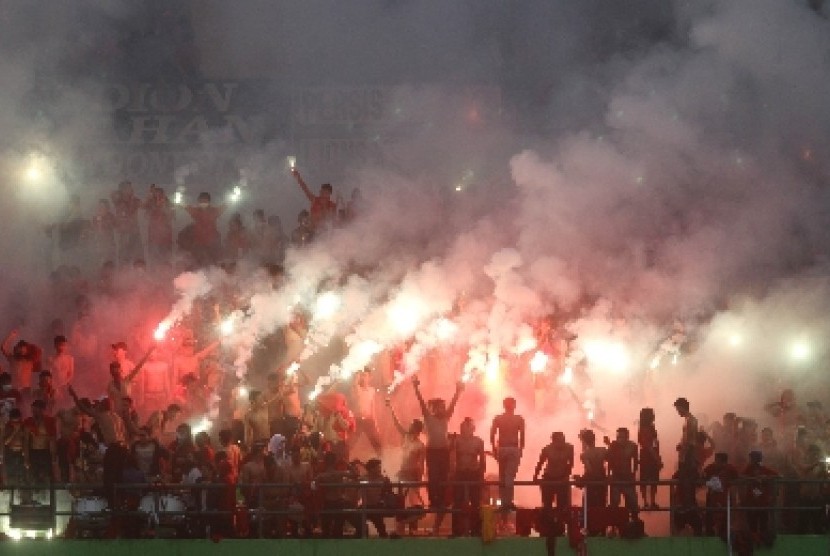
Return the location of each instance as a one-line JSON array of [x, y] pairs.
[[436, 422], [323, 210]]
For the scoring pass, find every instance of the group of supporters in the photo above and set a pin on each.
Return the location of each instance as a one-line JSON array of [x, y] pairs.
[[113, 232], [227, 450]]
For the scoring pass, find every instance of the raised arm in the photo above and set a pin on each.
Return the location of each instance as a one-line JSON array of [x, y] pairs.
[[6, 347], [81, 407], [207, 351], [311, 197], [459, 387], [140, 364], [395, 420], [539, 464], [417, 384]]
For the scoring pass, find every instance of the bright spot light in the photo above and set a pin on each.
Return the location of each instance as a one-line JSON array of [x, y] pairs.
[[15, 534], [445, 329], [292, 369], [49, 535], [313, 395], [161, 331], [327, 305], [567, 377], [405, 315], [609, 355], [237, 190], [292, 161], [493, 364], [226, 327], [202, 426], [736, 340], [800, 351], [674, 358], [590, 414], [242, 392], [178, 197], [36, 168], [459, 188], [539, 362]]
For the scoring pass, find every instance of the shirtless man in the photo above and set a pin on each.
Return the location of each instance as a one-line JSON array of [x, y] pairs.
[[257, 427], [120, 384], [688, 438], [509, 428], [187, 360], [470, 465], [110, 423], [162, 424], [363, 394], [40, 448], [69, 426], [156, 389], [557, 458], [62, 366]]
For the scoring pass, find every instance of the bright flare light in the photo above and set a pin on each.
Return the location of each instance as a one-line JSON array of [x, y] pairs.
[[292, 161], [202, 426], [242, 392], [161, 331], [609, 355], [327, 305], [292, 369], [36, 168], [800, 351], [736, 340], [178, 198], [445, 329], [539, 362], [226, 327], [404, 315], [567, 377], [236, 193]]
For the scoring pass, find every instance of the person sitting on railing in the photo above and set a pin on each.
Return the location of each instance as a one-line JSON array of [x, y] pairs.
[[719, 477], [758, 493]]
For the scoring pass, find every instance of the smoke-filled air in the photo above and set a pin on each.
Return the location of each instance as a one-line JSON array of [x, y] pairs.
[[592, 207]]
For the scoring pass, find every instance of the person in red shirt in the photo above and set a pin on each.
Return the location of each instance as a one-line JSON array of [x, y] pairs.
[[159, 226], [323, 210], [758, 494], [719, 476], [205, 240]]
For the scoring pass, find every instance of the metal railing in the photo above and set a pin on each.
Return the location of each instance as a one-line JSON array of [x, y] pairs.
[[192, 510]]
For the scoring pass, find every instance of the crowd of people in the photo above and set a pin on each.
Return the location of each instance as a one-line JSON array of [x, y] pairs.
[[179, 416], [113, 233]]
